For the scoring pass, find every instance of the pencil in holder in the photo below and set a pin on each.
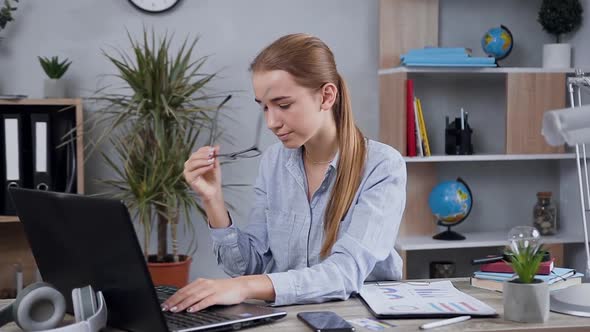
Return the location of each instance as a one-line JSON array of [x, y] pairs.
[[458, 137]]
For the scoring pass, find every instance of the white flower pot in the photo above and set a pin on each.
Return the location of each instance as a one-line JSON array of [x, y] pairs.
[[54, 88], [526, 303], [557, 55]]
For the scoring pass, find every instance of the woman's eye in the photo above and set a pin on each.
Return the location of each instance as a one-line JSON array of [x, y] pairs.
[[284, 106]]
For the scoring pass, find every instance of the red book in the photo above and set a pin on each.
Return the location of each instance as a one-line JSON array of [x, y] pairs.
[[503, 267], [410, 119]]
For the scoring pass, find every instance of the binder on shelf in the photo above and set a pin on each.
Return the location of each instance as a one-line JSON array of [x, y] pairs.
[[13, 164], [418, 131], [426, 144], [42, 151]]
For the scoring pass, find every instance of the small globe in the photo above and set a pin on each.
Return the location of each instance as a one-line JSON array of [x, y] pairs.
[[451, 203], [497, 42]]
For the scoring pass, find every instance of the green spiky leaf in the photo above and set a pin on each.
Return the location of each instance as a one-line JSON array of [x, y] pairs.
[[54, 68]]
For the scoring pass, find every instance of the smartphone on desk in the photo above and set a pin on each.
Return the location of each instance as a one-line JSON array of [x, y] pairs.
[[325, 321]]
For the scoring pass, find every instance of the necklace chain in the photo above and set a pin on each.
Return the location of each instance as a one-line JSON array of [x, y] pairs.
[[316, 162]]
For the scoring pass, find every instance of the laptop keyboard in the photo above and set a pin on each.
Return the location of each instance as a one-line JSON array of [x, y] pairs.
[[182, 320]]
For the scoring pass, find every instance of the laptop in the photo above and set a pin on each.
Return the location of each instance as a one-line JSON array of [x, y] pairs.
[[80, 240]]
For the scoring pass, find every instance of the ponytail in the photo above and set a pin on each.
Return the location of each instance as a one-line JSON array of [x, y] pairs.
[[352, 155]]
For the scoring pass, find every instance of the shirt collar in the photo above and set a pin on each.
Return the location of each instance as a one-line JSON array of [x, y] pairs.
[[334, 162]]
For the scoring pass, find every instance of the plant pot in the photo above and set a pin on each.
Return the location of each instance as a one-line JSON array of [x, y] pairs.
[[526, 303], [557, 55], [54, 88], [170, 274]]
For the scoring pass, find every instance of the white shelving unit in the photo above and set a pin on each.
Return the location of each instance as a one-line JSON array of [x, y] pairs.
[[490, 157], [475, 240], [506, 106], [477, 70]]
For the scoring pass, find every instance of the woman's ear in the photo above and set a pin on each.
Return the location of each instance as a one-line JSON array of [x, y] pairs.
[[329, 93]]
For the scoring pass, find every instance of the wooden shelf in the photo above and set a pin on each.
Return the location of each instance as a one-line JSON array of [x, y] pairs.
[[474, 240], [8, 219], [477, 70], [491, 157], [48, 101]]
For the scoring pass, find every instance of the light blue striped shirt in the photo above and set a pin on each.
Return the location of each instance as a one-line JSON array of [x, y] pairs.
[[285, 232]]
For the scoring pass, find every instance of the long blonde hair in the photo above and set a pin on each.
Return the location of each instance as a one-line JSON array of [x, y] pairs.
[[312, 65]]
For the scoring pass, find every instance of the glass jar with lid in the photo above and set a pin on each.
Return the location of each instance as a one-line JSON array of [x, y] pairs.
[[545, 214]]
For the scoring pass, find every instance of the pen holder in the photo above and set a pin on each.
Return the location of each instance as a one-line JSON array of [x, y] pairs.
[[457, 140]]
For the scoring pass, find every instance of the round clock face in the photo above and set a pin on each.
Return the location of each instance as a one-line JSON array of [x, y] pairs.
[[154, 6]]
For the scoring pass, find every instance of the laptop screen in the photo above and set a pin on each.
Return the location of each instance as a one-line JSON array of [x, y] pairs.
[[79, 240]]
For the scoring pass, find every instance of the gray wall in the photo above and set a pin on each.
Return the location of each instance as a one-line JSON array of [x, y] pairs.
[[231, 31]]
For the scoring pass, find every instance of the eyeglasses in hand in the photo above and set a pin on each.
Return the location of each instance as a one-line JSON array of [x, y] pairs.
[[250, 152]]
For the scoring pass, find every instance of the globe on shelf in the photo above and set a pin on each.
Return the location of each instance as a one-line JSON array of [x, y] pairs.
[[451, 202], [497, 42]]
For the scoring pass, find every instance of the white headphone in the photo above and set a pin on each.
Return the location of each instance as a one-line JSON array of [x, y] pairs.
[[41, 307]]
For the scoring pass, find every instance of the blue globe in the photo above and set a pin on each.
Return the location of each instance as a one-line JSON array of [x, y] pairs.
[[497, 42], [450, 202]]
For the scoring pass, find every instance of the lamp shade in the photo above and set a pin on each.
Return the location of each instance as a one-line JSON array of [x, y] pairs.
[[567, 125]]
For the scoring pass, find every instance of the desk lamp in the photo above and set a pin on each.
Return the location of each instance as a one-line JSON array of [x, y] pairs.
[[572, 126]]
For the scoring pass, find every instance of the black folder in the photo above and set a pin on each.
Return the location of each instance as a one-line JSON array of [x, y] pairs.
[[12, 158], [42, 151]]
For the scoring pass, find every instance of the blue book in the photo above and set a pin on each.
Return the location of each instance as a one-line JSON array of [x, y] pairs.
[[557, 274], [450, 60], [435, 56], [437, 50], [413, 64]]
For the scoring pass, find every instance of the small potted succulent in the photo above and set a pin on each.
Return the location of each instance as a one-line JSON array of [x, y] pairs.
[[526, 299], [54, 86], [559, 17]]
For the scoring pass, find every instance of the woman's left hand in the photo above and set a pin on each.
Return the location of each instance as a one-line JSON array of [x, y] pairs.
[[203, 293]]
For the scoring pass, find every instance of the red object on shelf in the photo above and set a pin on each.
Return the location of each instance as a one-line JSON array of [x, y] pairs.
[[410, 119], [503, 267]]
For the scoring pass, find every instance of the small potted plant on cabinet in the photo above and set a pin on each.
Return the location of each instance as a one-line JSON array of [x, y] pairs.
[[559, 17], [54, 86], [526, 299]]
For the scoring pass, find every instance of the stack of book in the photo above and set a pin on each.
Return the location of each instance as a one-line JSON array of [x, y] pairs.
[[445, 57], [503, 267], [557, 279]]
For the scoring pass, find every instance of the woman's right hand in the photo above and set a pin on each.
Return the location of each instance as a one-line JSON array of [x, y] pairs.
[[203, 174]]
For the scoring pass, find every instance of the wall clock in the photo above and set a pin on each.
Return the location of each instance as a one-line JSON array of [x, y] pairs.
[[154, 6]]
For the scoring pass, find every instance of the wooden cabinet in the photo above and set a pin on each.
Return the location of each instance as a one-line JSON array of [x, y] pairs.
[[65, 113]]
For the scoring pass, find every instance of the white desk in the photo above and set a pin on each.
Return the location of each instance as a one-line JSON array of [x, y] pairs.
[[353, 308]]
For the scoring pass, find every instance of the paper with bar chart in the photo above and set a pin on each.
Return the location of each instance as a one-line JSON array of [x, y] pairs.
[[421, 299]]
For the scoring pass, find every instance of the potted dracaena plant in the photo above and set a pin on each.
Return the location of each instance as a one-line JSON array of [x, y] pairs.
[[559, 17], [153, 124], [54, 86], [526, 299]]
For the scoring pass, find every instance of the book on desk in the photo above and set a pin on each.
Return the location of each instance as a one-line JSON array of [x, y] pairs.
[[558, 278]]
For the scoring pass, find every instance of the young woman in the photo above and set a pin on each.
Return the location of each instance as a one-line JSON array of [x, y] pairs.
[[328, 201]]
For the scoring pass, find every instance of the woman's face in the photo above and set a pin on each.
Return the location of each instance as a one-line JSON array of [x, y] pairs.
[[293, 113]]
